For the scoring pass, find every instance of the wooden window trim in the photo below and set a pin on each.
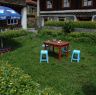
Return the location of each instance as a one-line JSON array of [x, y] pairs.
[[63, 4], [12, 23], [46, 5], [87, 4]]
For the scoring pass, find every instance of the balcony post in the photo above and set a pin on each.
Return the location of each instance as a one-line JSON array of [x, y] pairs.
[[38, 14], [24, 18]]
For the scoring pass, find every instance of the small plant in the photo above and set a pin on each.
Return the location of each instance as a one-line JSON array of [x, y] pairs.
[[68, 27], [14, 81]]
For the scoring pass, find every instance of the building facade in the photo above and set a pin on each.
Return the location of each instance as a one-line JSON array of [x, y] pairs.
[[60, 10], [20, 7], [31, 13]]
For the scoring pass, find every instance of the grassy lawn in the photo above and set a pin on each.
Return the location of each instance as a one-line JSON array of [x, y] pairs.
[[65, 77]]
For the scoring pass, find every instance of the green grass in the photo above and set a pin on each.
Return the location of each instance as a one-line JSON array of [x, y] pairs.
[[65, 77]]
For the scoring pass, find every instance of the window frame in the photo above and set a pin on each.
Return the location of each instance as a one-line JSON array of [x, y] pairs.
[[87, 4], [49, 6], [61, 18], [12, 22], [66, 2], [31, 10]]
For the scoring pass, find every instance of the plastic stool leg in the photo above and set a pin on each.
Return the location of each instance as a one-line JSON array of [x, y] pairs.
[[40, 58], [78, 58], [47, 57], [72, 57]]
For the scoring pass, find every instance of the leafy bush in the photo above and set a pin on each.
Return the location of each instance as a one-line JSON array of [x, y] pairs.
[[49, 32], [85, 24], [54, 23], [13, 81], [84, 37], [12, 33], [68, 27], [76, 24], [88, 37]]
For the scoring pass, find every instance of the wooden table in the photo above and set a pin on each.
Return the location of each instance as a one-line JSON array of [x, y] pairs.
[[59, 44]]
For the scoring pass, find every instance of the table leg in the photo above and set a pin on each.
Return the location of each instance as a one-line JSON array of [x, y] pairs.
[[67, 53], [53, 48], [60, 53]]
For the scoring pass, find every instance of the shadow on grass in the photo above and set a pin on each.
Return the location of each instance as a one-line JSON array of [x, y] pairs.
[[11, 43], [89, 89], [55, 54]]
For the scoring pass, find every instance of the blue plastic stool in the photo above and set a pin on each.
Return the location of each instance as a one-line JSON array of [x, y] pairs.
[[75, 53], [44, 52]]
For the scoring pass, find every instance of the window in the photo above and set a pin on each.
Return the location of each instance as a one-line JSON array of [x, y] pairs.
[[45, 19], [49, 4], [31, 10], [61, 18], [66, 3], [12, 21], [87, 2]]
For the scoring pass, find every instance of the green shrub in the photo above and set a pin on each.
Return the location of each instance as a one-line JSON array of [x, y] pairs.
[[88, 37], [54, 23], [76, 24], [13, 81], [49, 32], [12, 33], [85, 24], [68, 27], [83, 37]]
